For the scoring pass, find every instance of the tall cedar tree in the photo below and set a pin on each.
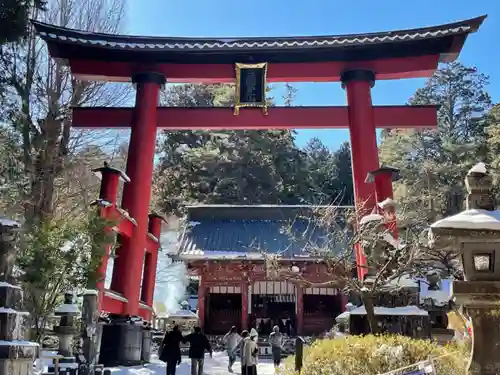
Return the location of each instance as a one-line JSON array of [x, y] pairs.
[[329, 173], [433, 162]]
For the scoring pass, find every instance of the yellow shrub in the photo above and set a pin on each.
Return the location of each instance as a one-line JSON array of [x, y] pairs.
[[372, 355]]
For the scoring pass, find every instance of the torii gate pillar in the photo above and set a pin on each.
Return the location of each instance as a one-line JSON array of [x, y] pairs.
[[364, 151], [128, 265]]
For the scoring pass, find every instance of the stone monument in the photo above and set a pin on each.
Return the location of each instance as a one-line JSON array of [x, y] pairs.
[[16, 355], [474, 235]]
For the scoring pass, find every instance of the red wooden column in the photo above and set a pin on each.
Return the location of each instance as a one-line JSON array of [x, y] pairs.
[[364, 151], [150, 262], [110, 178], [244, 305], [137, 193], [201, 302], [300, 310]]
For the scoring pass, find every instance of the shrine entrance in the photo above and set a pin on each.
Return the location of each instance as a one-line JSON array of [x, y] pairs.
[[357, 61], [223, 309], [321, 307], [273, 303]]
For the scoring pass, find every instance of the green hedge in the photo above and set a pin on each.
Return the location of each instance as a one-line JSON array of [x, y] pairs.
[[372, 355]]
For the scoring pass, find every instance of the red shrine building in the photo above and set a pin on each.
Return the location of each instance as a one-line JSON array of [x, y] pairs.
[[225, 245], [356, 61]]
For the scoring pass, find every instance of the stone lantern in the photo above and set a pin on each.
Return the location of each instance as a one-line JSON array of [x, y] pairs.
[[66, 331], [474, 235]]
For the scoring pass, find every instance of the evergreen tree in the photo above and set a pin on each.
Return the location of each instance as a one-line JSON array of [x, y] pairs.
[[433, 162], [57, 257], [14, 18], [238, 167], [329, 173], [492, 129], [245, 167], [342, 184]]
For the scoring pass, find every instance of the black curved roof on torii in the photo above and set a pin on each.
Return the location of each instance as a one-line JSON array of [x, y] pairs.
[[445, 40]]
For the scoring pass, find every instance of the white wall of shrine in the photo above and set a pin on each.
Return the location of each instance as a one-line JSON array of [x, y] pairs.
[[273, 287], [225, 290], [321, 291]]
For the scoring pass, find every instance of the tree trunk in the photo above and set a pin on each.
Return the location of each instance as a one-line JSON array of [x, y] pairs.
[[367, 299]]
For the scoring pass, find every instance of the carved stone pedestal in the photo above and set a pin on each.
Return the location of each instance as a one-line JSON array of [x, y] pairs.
[[481, 300], [121, 343], [147, 337], [131, 344]]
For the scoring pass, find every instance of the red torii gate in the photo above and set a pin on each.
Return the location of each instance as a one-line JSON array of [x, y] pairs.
[[355, 60], [175, 118]]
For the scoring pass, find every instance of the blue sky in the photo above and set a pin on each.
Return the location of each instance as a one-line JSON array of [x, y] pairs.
[[223, 18]]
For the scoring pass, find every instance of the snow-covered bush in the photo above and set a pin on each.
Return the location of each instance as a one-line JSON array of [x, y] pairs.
[[369, 355]]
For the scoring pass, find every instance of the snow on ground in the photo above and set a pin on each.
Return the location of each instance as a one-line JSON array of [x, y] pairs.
[[213, 366]]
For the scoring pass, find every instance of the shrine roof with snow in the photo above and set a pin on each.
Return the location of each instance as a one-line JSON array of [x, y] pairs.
[[240, 232], [443, 40]]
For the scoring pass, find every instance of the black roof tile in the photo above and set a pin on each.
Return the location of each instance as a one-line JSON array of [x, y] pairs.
[[52, 32]]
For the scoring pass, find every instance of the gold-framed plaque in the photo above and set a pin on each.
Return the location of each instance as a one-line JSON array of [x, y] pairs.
[[251, 84]]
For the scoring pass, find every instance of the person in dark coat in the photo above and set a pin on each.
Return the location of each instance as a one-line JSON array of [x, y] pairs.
[[170, 350], [198, 344]]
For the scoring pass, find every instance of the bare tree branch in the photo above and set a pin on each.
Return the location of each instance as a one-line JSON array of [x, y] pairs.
[[331, 237], [42, 92]]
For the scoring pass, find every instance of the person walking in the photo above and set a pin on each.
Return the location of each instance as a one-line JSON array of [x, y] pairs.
[[244, 336], [276, 341], [170, 350], [231, 341], [198, 343], [250, 352]]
